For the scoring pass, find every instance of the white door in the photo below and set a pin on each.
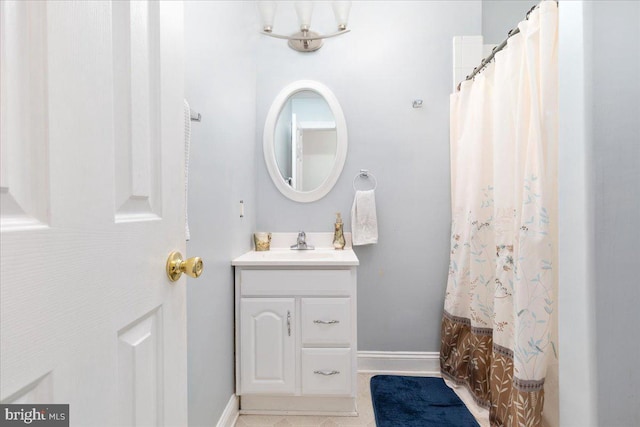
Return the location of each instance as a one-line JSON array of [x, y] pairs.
[[296, 154], [92, 204], [267, 345]]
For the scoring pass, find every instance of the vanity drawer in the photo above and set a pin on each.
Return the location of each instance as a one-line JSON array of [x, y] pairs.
[[326, 321], [295, 282], [326, 371]]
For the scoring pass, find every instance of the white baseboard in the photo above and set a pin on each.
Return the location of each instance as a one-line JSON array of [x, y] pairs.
[[423, 363], [230, 414]]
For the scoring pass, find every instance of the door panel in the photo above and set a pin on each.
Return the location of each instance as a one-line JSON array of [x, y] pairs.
[[268, 345], [294, 151], [40, 390], [87, 314], [137, 119], [24, 173], [139, 371]]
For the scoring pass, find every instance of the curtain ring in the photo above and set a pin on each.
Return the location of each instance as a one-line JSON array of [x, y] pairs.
[[531, 10]]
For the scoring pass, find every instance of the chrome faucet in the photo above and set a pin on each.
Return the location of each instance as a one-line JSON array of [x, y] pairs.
[[301, 243]]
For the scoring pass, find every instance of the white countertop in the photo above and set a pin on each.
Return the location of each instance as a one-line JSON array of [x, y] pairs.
[[281, 255]]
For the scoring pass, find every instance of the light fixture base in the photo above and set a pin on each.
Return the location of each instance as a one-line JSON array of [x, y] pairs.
[[306, 41]]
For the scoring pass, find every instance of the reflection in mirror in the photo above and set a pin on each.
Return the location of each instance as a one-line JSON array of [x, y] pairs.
[[305, 140]]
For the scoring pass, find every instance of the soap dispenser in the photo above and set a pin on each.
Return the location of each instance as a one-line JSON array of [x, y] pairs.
[[338, 235]]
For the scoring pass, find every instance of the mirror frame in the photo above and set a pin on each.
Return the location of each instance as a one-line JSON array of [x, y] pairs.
[[269, 143]]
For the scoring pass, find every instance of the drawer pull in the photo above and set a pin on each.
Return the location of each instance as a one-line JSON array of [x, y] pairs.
[[326, 373], [289, 322], [326, 322]]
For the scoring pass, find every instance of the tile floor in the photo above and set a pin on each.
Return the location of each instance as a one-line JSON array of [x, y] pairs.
[[365, 414]]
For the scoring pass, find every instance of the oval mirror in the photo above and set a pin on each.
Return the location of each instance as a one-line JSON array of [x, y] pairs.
[[305, 141]]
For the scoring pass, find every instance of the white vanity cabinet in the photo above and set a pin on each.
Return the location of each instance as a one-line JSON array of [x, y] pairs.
[[296, 337]]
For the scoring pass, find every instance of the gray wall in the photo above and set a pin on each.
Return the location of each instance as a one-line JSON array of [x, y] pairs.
[[616, 153], [599, 291], [576, 277], [220, 84], [500, 16], [397, 52]]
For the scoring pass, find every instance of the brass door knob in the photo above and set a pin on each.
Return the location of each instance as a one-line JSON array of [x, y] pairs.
[[192, 267]]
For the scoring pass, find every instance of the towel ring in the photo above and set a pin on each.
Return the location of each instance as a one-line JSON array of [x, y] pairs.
[[364, 173]]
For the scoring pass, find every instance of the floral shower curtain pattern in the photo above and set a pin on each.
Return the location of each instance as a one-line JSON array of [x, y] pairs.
[[497, 328]]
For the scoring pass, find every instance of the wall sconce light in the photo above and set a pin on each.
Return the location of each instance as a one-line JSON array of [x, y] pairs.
[[305, 40]]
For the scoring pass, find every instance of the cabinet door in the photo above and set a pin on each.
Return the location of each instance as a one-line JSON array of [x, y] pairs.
[[267, 346]]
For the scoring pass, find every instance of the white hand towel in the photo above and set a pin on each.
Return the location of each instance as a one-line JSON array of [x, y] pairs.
[[364, 222], [187, 146]]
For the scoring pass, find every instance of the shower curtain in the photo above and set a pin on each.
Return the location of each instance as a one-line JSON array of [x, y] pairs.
[[497, 328]]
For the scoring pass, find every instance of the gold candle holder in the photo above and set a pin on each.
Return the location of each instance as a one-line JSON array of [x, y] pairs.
[[262, 241]]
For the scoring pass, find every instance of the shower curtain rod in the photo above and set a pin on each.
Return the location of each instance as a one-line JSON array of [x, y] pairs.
[[496, 49]]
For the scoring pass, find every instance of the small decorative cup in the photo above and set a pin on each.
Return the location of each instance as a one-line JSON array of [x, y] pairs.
[[262, 241]]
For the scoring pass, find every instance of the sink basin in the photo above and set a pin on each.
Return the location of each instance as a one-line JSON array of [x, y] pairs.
[[295, 254], [287, 257]]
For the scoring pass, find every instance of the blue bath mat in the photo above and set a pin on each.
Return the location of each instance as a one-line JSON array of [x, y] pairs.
[[417, 402]]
